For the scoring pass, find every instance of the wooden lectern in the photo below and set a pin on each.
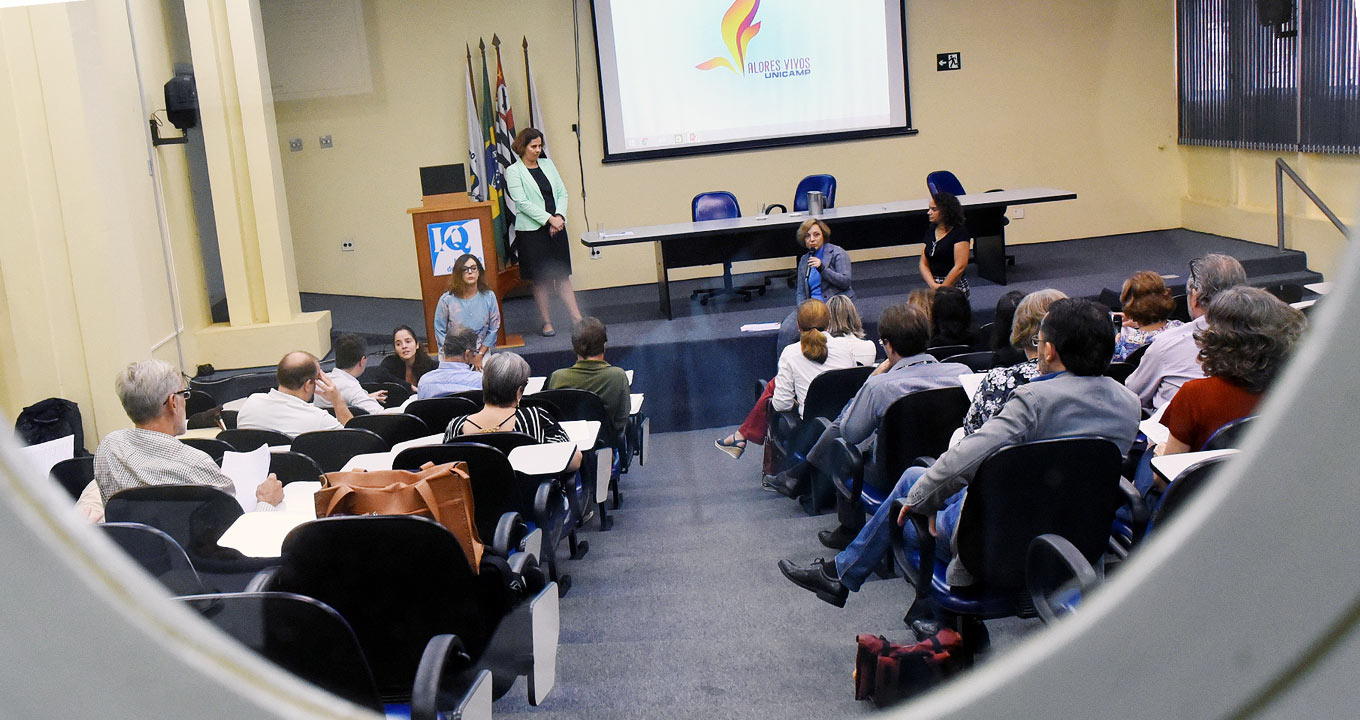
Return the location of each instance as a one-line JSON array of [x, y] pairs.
[[456, 207]]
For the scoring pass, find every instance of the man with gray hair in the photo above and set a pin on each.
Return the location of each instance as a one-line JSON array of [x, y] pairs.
[[456, 371], [1173, 356], [153, 395]]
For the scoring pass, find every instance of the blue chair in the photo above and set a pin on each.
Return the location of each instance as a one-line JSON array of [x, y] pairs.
[[720, 205], [1064, 490], [993, 246], [823, 183], [944, 181]]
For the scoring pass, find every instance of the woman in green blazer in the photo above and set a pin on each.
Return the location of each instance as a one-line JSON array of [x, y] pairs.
[[541, 225]]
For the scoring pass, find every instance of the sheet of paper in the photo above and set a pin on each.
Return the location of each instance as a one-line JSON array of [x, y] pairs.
[[635, 403], [297, 497], [433, 439], [971, 382], [261, 534], [535, 384], [1321, 288], [247, 471], [629, 373], [370, 461], [1303, 304], [1169, 467], [546, 459], [402, 407], [46, 454], [208, 433], [1153, 429], [759, 327], [582, 432]]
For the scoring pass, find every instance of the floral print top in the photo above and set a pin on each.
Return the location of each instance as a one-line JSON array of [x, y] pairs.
[[1131, 338], [995, 390]]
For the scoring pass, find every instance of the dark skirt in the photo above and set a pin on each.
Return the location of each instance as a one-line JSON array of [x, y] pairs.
[[543, 256]]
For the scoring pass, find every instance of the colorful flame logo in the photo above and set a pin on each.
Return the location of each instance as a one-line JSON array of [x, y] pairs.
[[737, 30]]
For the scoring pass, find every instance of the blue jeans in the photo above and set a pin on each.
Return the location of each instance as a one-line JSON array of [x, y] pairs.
[[874, 541]]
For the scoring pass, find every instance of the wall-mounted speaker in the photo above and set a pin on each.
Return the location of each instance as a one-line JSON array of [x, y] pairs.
[[181, 101]]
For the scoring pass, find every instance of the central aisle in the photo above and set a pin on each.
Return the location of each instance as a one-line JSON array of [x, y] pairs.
[[680, 611]]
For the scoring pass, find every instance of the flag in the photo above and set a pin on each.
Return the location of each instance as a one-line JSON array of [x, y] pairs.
[[505, 134], [476, 146], [535, 110], [495, 181]]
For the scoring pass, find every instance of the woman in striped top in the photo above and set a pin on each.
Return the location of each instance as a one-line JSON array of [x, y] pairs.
[[504, 377]]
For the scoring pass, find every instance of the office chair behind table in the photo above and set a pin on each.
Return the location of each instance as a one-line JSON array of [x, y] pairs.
[[822, 183], [720, 205]]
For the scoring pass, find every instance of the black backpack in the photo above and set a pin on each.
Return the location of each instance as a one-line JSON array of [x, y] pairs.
[[51, 419]]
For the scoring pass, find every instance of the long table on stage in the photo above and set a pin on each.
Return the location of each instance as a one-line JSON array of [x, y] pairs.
[[854, 227]]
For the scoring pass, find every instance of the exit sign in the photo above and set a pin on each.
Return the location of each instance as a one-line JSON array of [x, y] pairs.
[[948, 61]]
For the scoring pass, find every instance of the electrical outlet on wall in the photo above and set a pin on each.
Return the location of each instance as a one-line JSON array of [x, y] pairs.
[[295, 144], [325, 142], [347, 245], [1018, 213]]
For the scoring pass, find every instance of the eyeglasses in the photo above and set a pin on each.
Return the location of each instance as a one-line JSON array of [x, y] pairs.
[[1034, 340], [182, 393], [470, 268]]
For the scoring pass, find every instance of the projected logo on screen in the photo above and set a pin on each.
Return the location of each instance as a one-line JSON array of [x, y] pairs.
[[738, 27], [448, 241]]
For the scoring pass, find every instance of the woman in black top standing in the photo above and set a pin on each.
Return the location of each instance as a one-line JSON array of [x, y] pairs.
[[946, 253], [541, 226]]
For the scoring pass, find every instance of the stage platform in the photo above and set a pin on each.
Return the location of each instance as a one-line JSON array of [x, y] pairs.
[[699, 369]]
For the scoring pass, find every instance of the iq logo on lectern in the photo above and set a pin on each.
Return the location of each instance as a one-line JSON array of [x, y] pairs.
[[449, 240]]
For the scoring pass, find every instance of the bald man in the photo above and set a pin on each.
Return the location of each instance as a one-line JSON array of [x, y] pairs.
[[288, 408]]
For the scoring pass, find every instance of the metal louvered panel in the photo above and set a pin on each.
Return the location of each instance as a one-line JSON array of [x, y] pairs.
[[1246, 85], [1330, 96]]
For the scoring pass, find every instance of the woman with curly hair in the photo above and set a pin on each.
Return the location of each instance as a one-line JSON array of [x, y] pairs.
[[1147, 306], [1249, 337], [947, 243]]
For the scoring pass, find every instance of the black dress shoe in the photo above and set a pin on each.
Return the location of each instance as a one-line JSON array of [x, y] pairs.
[[838, 539], [789, 487], [817, 579], [925, 629]]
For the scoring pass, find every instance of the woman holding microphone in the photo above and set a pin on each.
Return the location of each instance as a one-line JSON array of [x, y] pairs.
[[540, 225]]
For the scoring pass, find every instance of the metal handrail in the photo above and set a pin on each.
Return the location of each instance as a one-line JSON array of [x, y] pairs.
[[1281, 169]]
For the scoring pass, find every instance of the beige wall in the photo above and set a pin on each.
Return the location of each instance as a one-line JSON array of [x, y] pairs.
[[84, 286], [1232, 193], [1073, 95]]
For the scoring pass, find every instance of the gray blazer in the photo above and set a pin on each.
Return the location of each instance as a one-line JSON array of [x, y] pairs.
[[1064, 406], [835, 275]]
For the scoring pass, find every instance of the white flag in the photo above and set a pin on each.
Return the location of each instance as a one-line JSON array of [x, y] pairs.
[[476, 144], [535, 110]]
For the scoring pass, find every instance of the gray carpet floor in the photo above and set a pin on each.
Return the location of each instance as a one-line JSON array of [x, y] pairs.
[[680, 611]]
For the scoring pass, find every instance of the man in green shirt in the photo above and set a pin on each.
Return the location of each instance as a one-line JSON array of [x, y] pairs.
[[592, 373]]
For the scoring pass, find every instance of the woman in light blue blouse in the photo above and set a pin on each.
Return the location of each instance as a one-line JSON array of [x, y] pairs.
[[471, 303]]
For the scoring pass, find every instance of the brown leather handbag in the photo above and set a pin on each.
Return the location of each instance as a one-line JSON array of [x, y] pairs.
[[442, 493]]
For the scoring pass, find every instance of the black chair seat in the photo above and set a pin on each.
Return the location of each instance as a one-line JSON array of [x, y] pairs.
[[976, 361], [397, 393], [294, 467], [158, 554], [393, 427], [247, 440], [331, 449], [1230, 435], [74, 474], [213, 447], [437, 412]]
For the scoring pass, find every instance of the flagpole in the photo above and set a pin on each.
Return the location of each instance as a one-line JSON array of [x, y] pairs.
[[528, 79]]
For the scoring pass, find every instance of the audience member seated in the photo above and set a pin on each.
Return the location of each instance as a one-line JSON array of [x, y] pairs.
[[409, 362], [469, 302], [1249, 336], [1147, 306], [1173, 357], [823, 273], [154, 395], [945, 257], [351, 359], [503, 381], [816, 352], [903, 332], [288, 408], [1071, 397], [456, 371], [1000, 383], [999, 340], [924, 300], [845, 323], [951, 319], [592, 373]]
